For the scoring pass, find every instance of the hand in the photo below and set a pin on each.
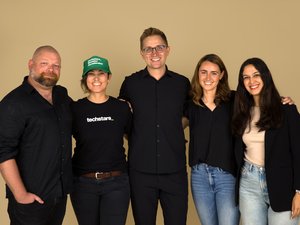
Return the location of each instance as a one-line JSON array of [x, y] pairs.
[[296, 206], [185, 122], [28, 198], [287, 100]]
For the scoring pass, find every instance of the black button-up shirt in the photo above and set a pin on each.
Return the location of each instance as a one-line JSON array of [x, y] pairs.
[[38, 136], [157, 143]]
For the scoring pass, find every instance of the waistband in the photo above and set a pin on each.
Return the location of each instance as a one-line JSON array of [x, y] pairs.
[[103, 175], [250, 166]]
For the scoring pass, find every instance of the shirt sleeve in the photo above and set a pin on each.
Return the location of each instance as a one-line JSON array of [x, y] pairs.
[[129, 121], [294, 132], [12, 125], [187, 100], [124, 91]]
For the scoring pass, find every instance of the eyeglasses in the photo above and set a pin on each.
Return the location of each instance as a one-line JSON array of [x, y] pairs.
[[158, 49]]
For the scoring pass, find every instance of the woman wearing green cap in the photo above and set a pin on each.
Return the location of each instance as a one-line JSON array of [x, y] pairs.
[[101, 187]]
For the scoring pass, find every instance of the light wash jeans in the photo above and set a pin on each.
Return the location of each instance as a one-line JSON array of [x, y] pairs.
[[213, 192], [254, 199]]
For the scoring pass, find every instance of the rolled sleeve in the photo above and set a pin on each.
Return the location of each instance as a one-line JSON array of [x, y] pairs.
[[11, 126]]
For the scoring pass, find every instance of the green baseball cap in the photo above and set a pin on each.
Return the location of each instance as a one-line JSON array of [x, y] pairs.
[[95, 63]]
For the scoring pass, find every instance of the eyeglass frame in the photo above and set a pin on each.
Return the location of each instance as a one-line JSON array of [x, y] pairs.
[[158, 49]]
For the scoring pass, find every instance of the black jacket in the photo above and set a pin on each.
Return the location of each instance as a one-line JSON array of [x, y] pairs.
[[282, 160]]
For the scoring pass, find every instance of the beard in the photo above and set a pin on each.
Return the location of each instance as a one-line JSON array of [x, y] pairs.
[[47, 79]]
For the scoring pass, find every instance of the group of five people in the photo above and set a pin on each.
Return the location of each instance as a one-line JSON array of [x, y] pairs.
[[244, 148]]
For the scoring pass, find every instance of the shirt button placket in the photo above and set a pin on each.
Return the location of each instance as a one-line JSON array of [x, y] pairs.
[[157, 140]]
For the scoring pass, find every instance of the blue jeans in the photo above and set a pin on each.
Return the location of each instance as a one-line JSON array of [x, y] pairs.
[[102, 202], [254, 199], [213, 192]]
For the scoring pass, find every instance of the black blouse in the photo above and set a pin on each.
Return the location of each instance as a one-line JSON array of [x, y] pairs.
[[211, 140]]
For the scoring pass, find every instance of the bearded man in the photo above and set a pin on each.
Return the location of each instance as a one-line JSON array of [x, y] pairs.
[[35, 143]]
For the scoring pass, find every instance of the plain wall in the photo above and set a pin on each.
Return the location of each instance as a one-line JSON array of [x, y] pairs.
[[233, 29]]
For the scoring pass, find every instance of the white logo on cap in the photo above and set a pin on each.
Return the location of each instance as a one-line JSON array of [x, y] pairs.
[[94, 61]]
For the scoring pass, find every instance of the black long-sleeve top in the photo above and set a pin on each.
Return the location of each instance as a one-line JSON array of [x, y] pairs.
[[157, 143], [38, 136]]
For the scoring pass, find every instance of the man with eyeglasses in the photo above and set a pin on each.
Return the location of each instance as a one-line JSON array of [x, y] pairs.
[[36, 144], [157, 158]]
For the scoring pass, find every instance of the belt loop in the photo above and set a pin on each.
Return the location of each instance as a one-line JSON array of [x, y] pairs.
[[251, 167], [248, 166]]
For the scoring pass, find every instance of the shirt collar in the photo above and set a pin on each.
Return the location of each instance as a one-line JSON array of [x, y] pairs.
[[167, 73], [28, 88]]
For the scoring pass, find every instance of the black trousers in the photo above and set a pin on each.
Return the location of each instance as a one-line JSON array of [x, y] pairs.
[[171, 190], [101, 202], [52, 212]]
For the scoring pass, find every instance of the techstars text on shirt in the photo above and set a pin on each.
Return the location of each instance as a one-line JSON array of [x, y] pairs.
[[99, 119]]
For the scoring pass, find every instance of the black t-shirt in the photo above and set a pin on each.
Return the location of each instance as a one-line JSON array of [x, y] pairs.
[[157, 143], [98, 130]]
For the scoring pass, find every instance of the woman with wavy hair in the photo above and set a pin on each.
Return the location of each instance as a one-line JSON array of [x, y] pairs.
[[211, 154], [267, 149]]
